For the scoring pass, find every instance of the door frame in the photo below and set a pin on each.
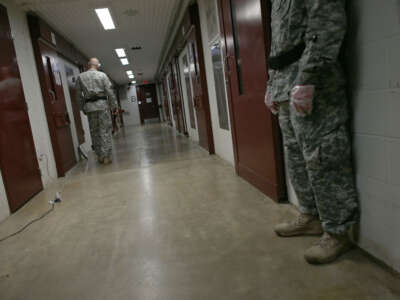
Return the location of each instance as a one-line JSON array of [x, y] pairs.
[[276, 134]]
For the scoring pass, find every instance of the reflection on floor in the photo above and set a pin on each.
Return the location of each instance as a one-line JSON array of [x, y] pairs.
[[167, 221]]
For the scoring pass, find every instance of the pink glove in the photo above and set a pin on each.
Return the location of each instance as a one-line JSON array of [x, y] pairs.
[[272, 106], [302, 99]]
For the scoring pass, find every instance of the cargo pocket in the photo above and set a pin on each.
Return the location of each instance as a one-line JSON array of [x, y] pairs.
[[335, 148], [332, 151]]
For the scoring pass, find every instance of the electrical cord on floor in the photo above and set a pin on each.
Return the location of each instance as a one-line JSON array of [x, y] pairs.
[[52, 203], [29, 224]]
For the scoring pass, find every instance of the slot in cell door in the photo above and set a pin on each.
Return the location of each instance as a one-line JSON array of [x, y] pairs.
[[18, 161]]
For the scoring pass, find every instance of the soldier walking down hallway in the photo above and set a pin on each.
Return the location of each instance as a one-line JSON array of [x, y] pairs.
[[94, 90], [307, 89]]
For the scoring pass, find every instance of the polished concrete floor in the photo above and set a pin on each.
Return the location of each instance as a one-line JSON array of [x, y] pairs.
[[167, 221]]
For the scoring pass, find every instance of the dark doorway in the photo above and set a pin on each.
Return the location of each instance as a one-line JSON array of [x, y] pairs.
[[148, 102], [18, 161], [256, 135]]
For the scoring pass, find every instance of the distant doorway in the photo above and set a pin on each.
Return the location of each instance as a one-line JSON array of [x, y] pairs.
[[148, 103]]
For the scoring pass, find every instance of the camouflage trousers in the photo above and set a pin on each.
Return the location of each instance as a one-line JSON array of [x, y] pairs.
[[318, 151], [100, 124]]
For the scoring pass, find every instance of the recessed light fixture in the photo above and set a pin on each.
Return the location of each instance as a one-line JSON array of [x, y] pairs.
[[129, 72], [124, 61], [133, 82], [131, 76], [120, 52], [105, 18]]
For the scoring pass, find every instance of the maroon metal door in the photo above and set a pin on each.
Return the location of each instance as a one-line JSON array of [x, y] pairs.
[[55, 106], [166, 103], [148, 103], [75, 105], [177, 96], [185, 63], [200, 92], [18, 161], [258, 152]]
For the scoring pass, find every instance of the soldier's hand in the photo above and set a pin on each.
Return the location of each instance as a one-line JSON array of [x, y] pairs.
[[272, 105], [302, 97]]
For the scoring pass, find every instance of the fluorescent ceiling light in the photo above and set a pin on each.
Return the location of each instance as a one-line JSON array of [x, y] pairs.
[[134, 82], [120, 52], [131, 76], [124, 61], [105, 18], [129, 72]]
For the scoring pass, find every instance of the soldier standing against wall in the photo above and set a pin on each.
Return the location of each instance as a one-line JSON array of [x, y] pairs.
[[94, 90], [306, 88]]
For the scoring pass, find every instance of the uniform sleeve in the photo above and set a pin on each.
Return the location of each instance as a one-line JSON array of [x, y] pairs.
[[78, 91], [110, 93], [326, 28]]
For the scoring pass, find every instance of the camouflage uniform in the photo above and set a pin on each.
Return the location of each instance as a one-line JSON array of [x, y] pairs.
[[92, 84], [317, 145]]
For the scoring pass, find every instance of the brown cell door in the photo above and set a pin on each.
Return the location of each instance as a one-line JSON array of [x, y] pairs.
[[75, 104], [178, 97], [56, 109], [257, 145], [18, 161], [185, 63], [200, 94], [166, 104], [173, 98]]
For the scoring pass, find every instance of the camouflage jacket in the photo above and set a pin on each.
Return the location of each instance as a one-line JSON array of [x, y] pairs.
[[321, 25], [94, 83]]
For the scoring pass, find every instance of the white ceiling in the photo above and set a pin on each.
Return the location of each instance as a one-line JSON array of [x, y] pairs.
[[145, 23]]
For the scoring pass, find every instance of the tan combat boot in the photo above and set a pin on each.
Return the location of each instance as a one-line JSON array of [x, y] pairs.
[[328, 248], [107, 161], [303, 225]]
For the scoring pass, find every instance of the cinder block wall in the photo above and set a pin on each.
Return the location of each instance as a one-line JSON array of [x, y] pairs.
[[373, 61]]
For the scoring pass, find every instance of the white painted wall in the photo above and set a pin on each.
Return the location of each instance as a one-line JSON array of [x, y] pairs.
[[132, 115], [374, 69], [33, 95], [222, 138]]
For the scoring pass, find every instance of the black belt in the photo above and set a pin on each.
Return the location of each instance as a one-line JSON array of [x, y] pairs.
[[95, 98], [287, 58]]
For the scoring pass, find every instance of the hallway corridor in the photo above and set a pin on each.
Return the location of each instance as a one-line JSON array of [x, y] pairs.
[[167, 221]]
